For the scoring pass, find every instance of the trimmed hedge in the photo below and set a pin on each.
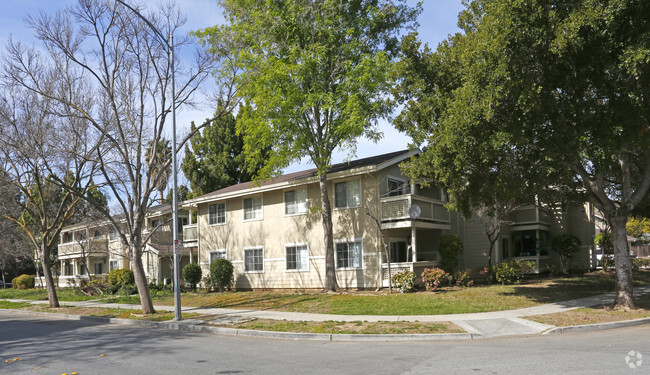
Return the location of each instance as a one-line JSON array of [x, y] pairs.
[[23, 282]]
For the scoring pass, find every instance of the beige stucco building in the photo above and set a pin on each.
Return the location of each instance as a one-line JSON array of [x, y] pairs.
[[273, 235]]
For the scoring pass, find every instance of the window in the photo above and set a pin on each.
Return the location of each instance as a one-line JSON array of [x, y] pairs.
[[112, 234], [97, 235], [217, 214], [217, 254], [297, 258], [156, 224], [348, 254], [399, 251], [182, 221], [99, 268], [253, 208], [295, 202], [254, 260], [68, 269], [67, 237], [396, 187], [112, 264], [347, 194]]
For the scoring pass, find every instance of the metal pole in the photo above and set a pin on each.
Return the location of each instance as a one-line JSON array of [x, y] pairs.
[[177, 288]]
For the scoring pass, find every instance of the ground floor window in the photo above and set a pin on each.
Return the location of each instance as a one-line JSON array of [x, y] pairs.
[[297, 258], [217, 254], [99, 268], [254, 260], [112, 264], [348, 254], [68, 269]]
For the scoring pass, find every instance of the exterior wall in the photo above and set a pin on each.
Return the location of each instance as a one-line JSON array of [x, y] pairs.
[[276, 230]]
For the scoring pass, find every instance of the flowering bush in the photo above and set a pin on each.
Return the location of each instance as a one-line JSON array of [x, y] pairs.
[[463, 278], [433, 277], [512, 271], [404, 281]]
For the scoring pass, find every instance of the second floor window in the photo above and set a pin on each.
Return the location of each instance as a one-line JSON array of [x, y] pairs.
[[295, 202], [253, 208], [347, 194], [112, 234], [217, 214]]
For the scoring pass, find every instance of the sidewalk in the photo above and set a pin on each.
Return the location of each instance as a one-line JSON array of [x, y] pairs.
[[488, 324]]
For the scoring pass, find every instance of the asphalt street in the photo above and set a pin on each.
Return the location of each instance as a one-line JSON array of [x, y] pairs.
[[49, 346]]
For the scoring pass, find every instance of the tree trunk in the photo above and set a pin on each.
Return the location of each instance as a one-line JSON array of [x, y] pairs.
[[49, 281], [622, 265], [326, 212], [141, 282]]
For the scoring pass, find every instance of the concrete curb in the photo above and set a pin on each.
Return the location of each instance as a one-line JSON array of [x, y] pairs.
[[597, 326], [189, 327]]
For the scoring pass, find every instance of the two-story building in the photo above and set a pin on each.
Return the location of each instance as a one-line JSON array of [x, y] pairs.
[[273, 235]]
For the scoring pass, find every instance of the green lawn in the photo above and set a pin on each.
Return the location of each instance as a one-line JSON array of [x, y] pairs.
[[41, 294]]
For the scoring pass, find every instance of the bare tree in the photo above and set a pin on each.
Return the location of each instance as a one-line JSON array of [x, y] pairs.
[[126, 73], [37, 145], [493, 218], [13, 247]]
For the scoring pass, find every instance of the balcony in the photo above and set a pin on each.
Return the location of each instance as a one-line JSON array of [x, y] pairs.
[[396, 209], [87, 248], [190, 235], [530, 217]]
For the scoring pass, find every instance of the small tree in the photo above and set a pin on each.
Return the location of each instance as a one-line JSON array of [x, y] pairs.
[[192, 274], [567, 246], [451, 246], [222, 272]]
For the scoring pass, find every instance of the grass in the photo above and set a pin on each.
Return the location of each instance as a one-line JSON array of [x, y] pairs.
[[357, 327], [13, 305], [448, 301], [596, 314], [41, 294]]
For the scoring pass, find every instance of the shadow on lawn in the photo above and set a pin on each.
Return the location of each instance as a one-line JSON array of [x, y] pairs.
[[570, 288], [261, 301]]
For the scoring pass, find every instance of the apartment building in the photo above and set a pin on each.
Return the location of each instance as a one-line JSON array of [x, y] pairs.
[[273, 235]]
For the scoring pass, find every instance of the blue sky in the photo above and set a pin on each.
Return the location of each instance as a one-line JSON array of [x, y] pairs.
[[437, 21]]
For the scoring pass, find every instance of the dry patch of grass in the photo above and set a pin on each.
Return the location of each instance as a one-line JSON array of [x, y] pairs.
[[596, 314], [357, 327], [103, 312]]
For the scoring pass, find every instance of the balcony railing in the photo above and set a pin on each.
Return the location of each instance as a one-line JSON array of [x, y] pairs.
[[84, 247], [190, 235], [530, 215], [397, 208]]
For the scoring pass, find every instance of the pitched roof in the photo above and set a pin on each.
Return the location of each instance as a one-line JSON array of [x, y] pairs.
[[358, 163]]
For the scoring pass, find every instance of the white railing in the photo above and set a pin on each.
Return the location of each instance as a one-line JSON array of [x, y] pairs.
[[190, 234]]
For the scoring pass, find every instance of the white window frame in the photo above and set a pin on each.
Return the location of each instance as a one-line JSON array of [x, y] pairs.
[[398, 179], [95, 268], [113, 262], [254, 248], [243, 207], [112, 235], [217, 251], [347, 196], [286, 263], [348, 242], [225, 214], [301, 208]]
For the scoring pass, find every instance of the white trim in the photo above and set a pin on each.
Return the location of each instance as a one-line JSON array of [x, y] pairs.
[[339, 241], [273, 259], [351, 179], [317, 257], [284, 201], [224, 250], [237, 261], [296, 246], [244, 260], [225, 215], [397, 159], [243, 209]]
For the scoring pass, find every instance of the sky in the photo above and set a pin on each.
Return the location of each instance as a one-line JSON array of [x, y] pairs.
[[437, 21]]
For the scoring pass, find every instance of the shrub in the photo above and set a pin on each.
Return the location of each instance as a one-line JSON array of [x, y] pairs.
[[606, 262], [451, 246], [567, 246], [127, 290], [23, 282], [222, 273], [121, 277], [192, 274], [404, 281], [433, 277], [512, 271], [638, 263], [463, 278]]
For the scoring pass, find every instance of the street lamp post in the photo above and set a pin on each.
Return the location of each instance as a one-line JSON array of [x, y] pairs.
[[170, 51]]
